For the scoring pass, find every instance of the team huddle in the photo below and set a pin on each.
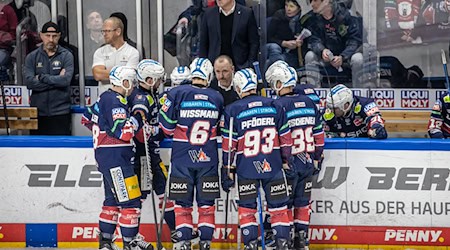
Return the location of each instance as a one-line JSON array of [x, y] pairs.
[[273, 144]]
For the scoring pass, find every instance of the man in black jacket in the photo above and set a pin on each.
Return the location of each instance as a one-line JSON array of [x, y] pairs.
[[48, 71], [335, 38], [223, 82], [230, 29]]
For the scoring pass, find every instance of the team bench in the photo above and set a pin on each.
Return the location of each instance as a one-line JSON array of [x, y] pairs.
[[20, 118], [407, 123]]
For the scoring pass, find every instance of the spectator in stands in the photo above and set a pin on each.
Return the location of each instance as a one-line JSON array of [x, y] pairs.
[[230, 29], [93, 37], [223, 82], [282, 35], [439, 124], [8, 25], [47, 72], [347, 115], [116, 52], [197, 8], [335, 39], [124, 20]]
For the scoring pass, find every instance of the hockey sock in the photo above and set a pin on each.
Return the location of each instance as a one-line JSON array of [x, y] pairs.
[[301, 218], [280, 222], [183, 221], [129, 222], [206, 222], [249, 226], [108, 221]]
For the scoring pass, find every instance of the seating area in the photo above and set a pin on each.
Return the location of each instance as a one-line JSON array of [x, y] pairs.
[[20, 118], [406, 123]]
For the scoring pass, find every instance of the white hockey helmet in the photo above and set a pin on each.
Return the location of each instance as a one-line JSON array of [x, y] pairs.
[[338, 97], [202, 68], [119, 74], [149, 68], [283, 73], [179, 74], [244, 80]]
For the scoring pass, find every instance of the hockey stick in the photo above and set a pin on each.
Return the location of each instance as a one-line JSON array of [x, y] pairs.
[[230, 142], [444, 64], [149, 170], [261, 220], [258, 74], [163, 208]]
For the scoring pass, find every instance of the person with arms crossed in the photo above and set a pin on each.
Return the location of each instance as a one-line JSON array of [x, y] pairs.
[[261, 143], [47, 72], [115, 52], [191, 114], [113, 129]]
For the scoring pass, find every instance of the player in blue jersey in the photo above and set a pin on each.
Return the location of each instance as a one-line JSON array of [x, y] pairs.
[[261, 142], [308, 140], [190, 114], [180, 75], [352, 116], [439, 124], [144, 101], [113, 129]]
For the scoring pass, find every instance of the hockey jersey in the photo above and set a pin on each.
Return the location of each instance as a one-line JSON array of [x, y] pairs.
[[146, 103], [305, 123], [439, 124], [112, 130], [308, 90], [363, 116], [191, 114], [261, 138]]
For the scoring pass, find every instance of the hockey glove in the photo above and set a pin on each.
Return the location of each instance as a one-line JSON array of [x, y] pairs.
[[289, 169], [377, 131], [227, 177], [436, 134]]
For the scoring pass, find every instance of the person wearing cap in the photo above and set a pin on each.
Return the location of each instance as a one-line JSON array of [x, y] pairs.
[[116, 52], [47, 72]]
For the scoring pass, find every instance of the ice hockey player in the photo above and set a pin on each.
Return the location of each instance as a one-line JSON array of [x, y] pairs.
[[180, 75], [307, 149], [352, 116], [113, 129], [261, 142], [144, 102], [191, 114], [439, 124]]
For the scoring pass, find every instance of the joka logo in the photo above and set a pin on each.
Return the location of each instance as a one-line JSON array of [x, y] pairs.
[[262, 167], [383, 98], [246, 188], [56, 176], [199, 156], [413, 235], [178, 186], [415, 99]]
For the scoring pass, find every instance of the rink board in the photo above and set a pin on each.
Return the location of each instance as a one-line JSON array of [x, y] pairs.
[[387, 194]]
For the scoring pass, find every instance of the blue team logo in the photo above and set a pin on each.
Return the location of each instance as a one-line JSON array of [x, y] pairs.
[[262, 167], [198, 156], [119, 114], [415, 99]]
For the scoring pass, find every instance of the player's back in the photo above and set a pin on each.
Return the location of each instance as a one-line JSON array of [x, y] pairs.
[[191, 113], [304, 121], [111, 108], [257, 124], [308, 90]]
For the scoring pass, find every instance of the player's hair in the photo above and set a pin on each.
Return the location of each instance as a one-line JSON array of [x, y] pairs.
[[116, 22]]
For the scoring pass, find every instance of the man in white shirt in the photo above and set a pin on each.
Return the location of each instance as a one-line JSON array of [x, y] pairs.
[[115, 52]]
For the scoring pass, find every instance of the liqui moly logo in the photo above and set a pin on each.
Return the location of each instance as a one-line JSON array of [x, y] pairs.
[[415, 99], [322, 93], [75, 96], [440, 93], [383, 98], [13, 96]]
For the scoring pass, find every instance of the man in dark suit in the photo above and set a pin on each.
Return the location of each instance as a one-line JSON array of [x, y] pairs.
[[230, 29]]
